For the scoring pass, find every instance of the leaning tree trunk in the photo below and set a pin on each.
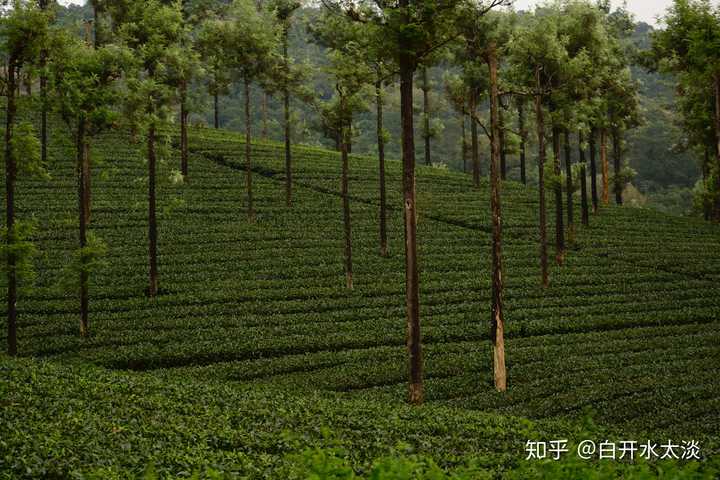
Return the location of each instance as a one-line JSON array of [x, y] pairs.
[[593, 170], [347, 225], [183, 130], [10, 172], [152, 219], [539, 114], [497, 323], [716, 209], [82, 172], [583, 182], [248, 165], [286, 106], [474, 139], [569, 186], [523, 134], [381, 164], [617, 163], [557, 187], [426, 115], [605, 167], [412, 289]]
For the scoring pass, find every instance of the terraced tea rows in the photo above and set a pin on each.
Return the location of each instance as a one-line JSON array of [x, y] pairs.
[[628, 327]]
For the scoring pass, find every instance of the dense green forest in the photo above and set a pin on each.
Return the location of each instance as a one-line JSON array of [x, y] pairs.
[[392, 240]]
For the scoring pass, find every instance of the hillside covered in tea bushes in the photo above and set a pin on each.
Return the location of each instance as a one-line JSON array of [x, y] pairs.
[[255, 351]]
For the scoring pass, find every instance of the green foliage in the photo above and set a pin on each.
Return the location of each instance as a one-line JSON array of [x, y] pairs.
[[21, 247], [25, 147]]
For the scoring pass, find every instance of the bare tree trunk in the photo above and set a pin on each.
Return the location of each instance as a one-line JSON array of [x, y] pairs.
[[10, 172], [583, 182], [541, 178], [569, 186], [716, 212], [344, 135], [43, 99], [248, 165], [501, 140], [497, 323], [464, 147], [593, 170], [412, 290], [706, 175], [617, 165], [82, 171], [183, 131], [426, 116], [152, 220], [559, 227], [87, 178], [523, 134], [605, 167], [381, 162], [216, 110], [474, 139], [286, 105]]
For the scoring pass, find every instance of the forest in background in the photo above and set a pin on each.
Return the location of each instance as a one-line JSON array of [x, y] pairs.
[[666, 173]]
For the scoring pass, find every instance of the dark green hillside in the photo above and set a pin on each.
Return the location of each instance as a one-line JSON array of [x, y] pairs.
[[629, 328]]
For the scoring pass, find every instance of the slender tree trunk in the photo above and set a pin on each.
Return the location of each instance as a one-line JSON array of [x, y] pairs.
[[87, 178], [381, 163], [497, 323], [474, 139], [464, 147], [344, 135], [216, 110], [264, 116], [617, 164], [523, 134], [569, 186], [706, 175], [183, 131], [541, 178], [286, 106], [10, 172], [583, 182], [82, 171], [559, 227], [605, 167], [501, 143], [716, 212], [593, 170], [152, 220], [426, 116], [97, 40], [248, 165], [412, 289]]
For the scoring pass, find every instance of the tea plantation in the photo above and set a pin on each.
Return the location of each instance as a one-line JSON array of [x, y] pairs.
[[255, 360]]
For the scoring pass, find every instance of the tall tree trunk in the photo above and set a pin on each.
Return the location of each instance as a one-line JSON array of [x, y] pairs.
[[152, 220], [381, 164], [82, 172], [426, 115], [569, 186], [347, 225], [412, 289], [97, 40], [583, 182], [464, 147], [10, 172], [43, 99], [248, 165], [559, 227], [183, 131], [593, 170], [497, 323], [716, 213], [501, 143], [617, 164], [540, 121], [264, 116], [216, 110], [706, 174], [474, 139], [523, 134], [286, 106], [605, 167]]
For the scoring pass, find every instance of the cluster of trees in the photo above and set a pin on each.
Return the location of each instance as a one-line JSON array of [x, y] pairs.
[[561, 72]]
